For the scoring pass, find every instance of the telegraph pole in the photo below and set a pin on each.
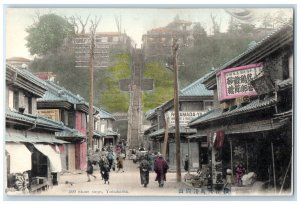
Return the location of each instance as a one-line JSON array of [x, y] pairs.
[[176, 107], [93, 28]]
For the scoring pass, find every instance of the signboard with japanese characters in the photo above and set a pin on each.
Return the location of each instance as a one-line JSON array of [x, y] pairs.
[[52, 114], [184, 117], [235, 82]]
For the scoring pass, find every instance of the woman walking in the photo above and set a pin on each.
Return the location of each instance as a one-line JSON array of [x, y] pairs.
[[160, 167]]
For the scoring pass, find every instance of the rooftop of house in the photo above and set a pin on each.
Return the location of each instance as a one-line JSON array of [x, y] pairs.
[[196, 89], [285, 32]]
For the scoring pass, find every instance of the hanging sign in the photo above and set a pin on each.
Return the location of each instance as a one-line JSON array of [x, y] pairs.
[[184, 117], [235, 82]]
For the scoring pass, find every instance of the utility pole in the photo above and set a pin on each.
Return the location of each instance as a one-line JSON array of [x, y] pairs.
[[93, 28], [176, 107]]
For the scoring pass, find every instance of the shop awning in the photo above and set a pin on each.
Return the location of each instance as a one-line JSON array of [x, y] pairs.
[[54, 158], [31, 137], [20, 157]]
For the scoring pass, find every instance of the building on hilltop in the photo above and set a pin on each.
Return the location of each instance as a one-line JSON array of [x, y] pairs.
[[157, 43], [106, 45]]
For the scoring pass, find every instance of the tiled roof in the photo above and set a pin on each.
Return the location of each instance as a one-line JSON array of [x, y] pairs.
[[32, 137], [196, 89], [264, 41], [39, 120], [111, 133], [59, 93], [182, 130], [69, 132], [285, 83], [98, 133], [104, 114], [218, 113], [27, 75]]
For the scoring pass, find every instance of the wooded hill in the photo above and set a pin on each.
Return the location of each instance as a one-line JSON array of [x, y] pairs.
[[205, 53]]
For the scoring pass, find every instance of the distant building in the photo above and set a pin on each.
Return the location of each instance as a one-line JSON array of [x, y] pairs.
[[194, 100], [106, 45], [157, 43], [18, 62], [104, 126]]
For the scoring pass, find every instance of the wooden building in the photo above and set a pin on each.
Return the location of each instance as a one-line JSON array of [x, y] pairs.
[[32, 152], [104, 127], [62, 105], [194, 100], [252, 121]]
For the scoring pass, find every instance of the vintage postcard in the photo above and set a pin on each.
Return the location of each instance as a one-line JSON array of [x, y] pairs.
[[149, 101]]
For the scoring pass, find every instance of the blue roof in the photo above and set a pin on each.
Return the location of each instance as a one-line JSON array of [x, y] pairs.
[[196, 89], [69, 132], [59, 93], [39, 120], [218, 112], [104, 114], [27, 75]]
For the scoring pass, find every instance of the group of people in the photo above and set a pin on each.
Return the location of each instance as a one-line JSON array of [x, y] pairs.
[[108, 160], [160, 168]]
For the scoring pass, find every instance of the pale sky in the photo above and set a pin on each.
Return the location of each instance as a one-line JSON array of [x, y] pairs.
[[135, 21]]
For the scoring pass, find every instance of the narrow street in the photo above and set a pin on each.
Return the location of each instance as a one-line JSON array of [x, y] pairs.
[[121, 184]]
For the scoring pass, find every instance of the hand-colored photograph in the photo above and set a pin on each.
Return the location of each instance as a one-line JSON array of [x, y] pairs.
[[149, 101]]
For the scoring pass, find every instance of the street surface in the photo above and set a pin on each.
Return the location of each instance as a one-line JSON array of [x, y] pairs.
[[121, 184]]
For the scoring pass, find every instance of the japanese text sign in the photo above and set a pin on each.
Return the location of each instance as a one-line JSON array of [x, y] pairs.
[[235, 82]]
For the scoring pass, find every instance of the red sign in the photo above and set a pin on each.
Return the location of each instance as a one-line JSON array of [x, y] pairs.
[[235, 82]]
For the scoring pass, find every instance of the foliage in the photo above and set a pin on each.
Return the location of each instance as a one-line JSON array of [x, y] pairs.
[[62, 64], [216, 50], [199, 34], [111, 97], [48, 34], [163, 90]]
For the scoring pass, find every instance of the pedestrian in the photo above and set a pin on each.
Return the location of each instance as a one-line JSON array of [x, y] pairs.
[[119, 148], [151, 158], [160, 167], [144, 171], [239, 172], [90, 170], [120, 163], [103, 160], [110, 158], [227, 186], [104, 169], [186, 163]]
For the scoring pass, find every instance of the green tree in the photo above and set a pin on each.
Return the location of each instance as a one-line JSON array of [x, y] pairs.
[[111, 97], [199, 34], [48, 34], [163, 90]]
